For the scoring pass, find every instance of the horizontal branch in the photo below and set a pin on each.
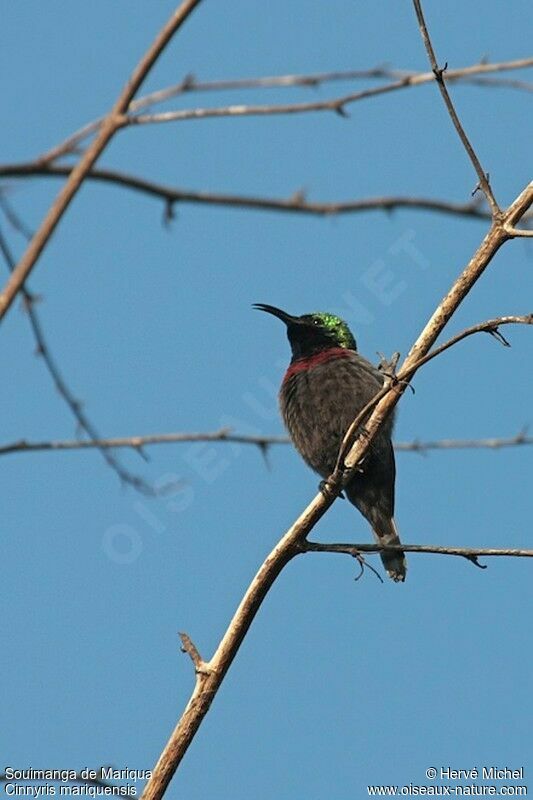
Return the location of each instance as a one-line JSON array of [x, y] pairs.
[[348, 548], [263, 442], [490, 326], [337, 104], [190, 84], [296, 203]]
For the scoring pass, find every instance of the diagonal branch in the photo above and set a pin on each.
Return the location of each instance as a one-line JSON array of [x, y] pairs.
[[290, 544], [439, 76], [111, 124]]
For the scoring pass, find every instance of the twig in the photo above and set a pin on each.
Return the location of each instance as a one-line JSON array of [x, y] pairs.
[[43, 350], [113, 121], [225, 435], [336, 104], [296, 203], [489, 326], [439, 75], [466, 552], [208, 684], [189, 84], [188, 646]]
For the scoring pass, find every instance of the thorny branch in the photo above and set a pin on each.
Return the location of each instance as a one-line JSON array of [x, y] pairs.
[[399, 79], [336, 104], [43, 350], [471, 553], [111, 124], [226, 435], [439, 76], [357, 550], [296, 203]]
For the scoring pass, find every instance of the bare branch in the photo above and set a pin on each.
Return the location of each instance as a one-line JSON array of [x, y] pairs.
[[113, 121], [337, 104], [466, 552], [490, 326], [43, 350], [296, 203], [290, 544], [189, 84], [439, 75], [505, 83], [225, 435], [494, 443]]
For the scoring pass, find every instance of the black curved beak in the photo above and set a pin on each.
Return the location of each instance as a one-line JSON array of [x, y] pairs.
[[277, 312]]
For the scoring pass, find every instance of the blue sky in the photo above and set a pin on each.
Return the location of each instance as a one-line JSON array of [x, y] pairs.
[[338, 684]]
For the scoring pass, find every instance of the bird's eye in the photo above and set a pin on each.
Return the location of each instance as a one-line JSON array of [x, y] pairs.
[[316, 321]]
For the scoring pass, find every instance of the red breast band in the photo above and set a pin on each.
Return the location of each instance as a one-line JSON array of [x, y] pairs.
[[313, 361]]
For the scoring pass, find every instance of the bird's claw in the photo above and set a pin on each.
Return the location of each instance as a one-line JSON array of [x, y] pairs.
[[387, 367], [325, 489]]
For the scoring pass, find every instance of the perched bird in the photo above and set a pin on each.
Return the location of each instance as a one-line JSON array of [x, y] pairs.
[[326, 385]]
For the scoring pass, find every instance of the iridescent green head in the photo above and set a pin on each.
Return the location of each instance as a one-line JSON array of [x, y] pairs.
[[312, 333]]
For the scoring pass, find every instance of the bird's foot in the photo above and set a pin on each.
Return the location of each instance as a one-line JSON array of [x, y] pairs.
[[387, 366], [325, 489]]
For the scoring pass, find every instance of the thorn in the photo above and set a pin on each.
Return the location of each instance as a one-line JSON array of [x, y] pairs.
[[499, 336], [169, 215], [522, 435], [474, 560], [142, 452], [298, 198], [264, 447], [478, 187], [439, 71], [387, 366], [341, 111], [188, 83]]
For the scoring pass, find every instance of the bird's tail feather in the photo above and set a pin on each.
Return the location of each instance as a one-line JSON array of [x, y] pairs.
[[385, 532]]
